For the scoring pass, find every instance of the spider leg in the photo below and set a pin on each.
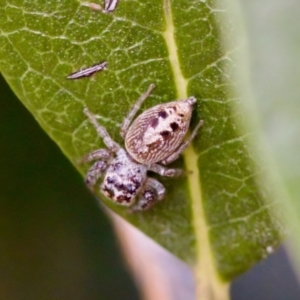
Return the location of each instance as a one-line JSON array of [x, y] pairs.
[[153, 191], [163, 171], [94, 173], [182, 147], [95, 155], [132, 113], [108, 141]]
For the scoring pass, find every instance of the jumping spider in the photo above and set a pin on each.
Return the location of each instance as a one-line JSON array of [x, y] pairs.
[[156, 136]]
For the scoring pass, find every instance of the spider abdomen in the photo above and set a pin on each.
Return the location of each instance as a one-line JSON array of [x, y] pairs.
[[157, 132]]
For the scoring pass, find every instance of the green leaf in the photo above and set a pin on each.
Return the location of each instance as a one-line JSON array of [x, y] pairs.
[[220, 216]]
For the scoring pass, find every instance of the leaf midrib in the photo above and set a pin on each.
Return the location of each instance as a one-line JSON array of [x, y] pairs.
[[209, 284]]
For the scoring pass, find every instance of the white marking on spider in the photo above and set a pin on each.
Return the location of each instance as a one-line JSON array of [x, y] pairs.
[[156, 136]]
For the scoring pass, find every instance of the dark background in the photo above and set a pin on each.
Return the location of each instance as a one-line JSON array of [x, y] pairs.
[[56, 243]]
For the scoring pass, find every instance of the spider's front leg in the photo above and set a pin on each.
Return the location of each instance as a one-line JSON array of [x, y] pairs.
[[153, 191], [97, 169], [95, 155], [102, 132], [133, 111], [94, 173]]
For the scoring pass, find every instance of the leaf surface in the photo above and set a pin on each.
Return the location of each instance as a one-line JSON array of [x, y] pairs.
[[220, 215], [275, 77]]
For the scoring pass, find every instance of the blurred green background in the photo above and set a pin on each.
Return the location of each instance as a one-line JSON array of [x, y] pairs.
[[55, 242]]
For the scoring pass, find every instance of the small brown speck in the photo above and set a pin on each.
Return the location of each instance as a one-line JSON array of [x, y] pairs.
[[174, 126], [163, 114], [165, 134], [154, 122]]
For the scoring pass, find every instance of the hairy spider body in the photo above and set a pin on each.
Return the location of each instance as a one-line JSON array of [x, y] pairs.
[[123, 179], [156, 136]]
